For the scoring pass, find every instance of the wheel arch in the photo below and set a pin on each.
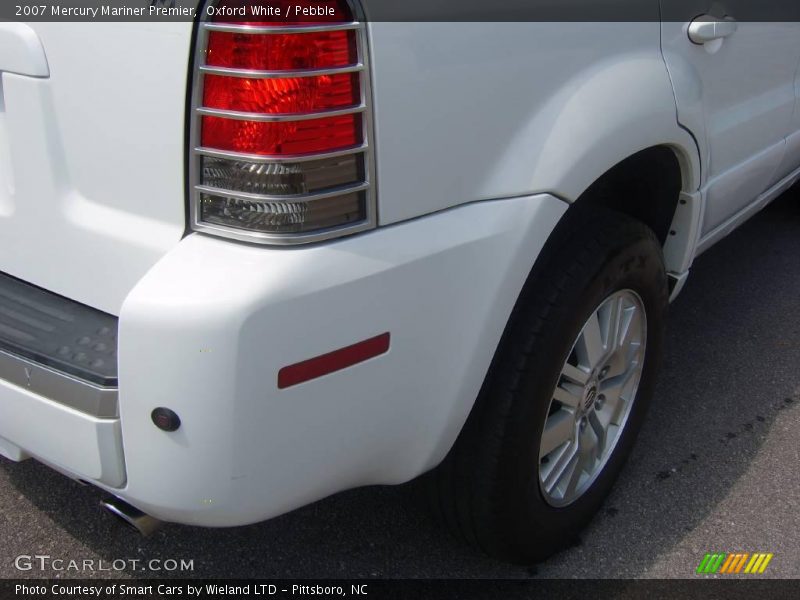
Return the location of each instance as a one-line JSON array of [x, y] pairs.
[[655, 186], [611, 136]]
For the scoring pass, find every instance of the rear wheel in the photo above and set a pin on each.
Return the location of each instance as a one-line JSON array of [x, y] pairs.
[[566, 393], [593, 398]]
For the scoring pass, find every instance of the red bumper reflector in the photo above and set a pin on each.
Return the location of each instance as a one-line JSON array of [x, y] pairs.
[[333, 361]]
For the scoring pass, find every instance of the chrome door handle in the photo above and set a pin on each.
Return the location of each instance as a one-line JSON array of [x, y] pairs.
[[707, 29]]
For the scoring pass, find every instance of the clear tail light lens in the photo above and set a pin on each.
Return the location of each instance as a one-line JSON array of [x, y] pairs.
[[281, 126], [282, 216], [281, 178]]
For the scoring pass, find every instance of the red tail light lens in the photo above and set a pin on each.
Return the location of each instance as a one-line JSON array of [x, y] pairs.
[[282, 96], [278, 92], [283, 51], [288, 137]]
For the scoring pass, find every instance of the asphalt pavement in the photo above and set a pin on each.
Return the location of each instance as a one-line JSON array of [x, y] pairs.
[[716, 468]]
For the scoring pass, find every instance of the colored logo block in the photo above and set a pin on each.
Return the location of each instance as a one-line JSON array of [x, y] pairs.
[[731, 564]]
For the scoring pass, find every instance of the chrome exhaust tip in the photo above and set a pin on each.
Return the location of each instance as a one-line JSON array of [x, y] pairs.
[[131, 516]]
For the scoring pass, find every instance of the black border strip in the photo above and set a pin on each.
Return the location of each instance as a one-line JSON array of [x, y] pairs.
[[279, 589], [430, 10]]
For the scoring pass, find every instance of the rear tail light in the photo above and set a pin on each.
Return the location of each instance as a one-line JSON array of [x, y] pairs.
[[281, 125]]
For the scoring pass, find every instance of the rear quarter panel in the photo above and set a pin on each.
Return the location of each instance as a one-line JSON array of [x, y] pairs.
[[472, 111]]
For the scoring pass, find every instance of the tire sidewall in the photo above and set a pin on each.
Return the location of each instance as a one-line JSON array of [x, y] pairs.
[[634, 262]]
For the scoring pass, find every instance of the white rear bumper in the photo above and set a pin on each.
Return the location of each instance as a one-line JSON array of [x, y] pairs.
[[86, 446], [206, 331]]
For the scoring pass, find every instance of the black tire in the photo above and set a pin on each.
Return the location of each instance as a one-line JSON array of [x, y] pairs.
[[487, 489]]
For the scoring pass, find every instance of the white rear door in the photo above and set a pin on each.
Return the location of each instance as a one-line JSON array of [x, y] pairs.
[[735, 93]]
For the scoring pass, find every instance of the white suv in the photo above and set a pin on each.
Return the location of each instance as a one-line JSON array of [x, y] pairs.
[[250, 261]]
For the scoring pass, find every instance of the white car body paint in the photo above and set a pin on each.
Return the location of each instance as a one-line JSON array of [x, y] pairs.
[[96, 153], [484, 133], [212, 338], [524, 114]]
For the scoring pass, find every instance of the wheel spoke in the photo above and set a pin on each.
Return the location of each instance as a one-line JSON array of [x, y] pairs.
[[619, 410], [627, 341], [614, 391], [559, 468], [614, 319], [568, 394], [626, 326], [589, 347], [584, 460], [588, 446], [572, 476], [574, 374], [599, 427], [558, 429]]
